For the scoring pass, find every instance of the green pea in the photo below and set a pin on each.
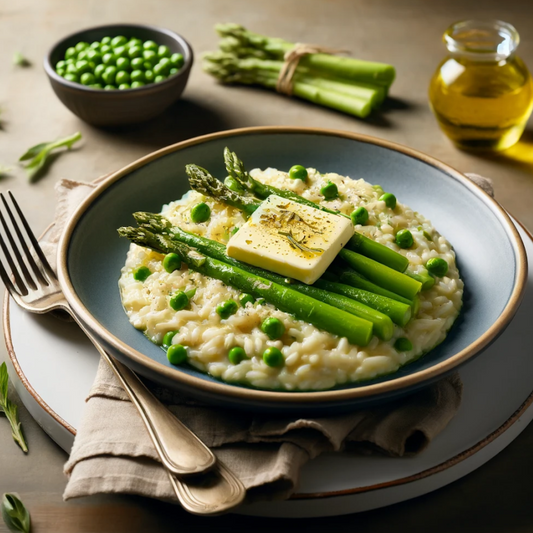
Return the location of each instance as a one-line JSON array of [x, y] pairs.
[[298, 172], [200, 213], [149, 75], [137, 84], [236, 355], [120, 51], [135, 51], [70, 61], [61, 71], [94, 56], [171, 262], [119, 40], [123, 63], [173, 71], [82, 56], [141, 273], [389, 199], [95, 45], [137, 63], [273, 328], [96, 86], [109, 59], [226, 309], [99, 71], [177, 354], [150, 45], [404, 238], [329, 191], [179, 301], [437, 266], [87, 78], [61, 65], [177, 60], [109, 87], [82, 67], [359, 216], [71, 69], [105, 49], [273, 357], [71, 77], [82, 45], [124, 86], [403, 344], [162, 68], [109, 75], [231, 183], [163, 51], [122, 77], [92, 65], [70, 53], [106, 40], [167, 339], [134, 42], [137, 75], [151, 57], [246, 298], [159, 78]]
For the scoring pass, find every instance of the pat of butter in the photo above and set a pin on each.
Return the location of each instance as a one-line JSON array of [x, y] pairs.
[[291, 239]]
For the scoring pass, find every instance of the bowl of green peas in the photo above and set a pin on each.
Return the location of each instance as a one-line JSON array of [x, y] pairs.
[[119, 74]]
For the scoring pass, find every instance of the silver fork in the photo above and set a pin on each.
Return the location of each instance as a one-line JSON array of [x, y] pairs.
[[202, 484]]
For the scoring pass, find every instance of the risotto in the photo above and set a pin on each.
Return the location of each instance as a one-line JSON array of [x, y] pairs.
[[313, 359]]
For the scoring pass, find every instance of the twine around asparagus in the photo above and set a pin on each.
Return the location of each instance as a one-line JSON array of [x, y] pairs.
[[291, 58]]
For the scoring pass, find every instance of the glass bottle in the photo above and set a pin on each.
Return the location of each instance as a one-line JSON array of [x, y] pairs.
[[482, 93]]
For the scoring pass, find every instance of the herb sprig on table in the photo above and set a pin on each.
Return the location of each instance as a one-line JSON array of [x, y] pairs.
[[346, 84], [39, 155], [9, 409], [16, 516]]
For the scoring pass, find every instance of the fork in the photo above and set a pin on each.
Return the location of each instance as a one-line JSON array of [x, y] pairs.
[[202, 484]]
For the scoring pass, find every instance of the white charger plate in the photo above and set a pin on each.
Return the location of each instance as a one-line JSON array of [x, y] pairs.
[[53, 366]]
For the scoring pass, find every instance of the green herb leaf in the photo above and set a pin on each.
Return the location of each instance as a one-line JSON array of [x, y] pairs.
[[15, 515], [20, 60], [10, 410], [39, 154]]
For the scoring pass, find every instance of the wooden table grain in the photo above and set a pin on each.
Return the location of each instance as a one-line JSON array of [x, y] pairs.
[[406, 33]]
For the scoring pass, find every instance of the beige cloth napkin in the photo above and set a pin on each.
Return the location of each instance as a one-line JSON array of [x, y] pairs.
[[113, 453]]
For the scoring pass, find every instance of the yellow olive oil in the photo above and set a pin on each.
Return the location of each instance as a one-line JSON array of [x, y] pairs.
[[482, 94]]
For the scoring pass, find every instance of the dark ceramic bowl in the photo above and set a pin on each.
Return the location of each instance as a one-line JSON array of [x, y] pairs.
[[113, 108], [490, 254]]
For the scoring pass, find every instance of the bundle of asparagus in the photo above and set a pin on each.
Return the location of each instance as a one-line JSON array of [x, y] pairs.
[[349, 85]]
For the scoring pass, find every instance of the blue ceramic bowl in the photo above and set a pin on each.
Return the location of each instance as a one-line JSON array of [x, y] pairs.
[[490, 254]]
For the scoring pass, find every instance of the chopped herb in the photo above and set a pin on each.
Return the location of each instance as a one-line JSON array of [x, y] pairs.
[[298, 244], [40, 154], [9, 409], [15, 515]]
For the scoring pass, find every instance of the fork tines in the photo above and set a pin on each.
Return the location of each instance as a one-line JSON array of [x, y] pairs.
[[19, 269]]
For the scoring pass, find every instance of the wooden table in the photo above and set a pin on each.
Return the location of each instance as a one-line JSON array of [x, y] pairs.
[[495, 498]]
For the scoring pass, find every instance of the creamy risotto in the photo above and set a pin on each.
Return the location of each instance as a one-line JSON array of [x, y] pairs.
[[313, 358]]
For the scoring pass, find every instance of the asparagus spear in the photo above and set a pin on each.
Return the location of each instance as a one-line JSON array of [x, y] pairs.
[[382, 275], [358, 305], [425, 278], [348, 276], [358, 242], [275, 48], [399, 312], [357, 330]]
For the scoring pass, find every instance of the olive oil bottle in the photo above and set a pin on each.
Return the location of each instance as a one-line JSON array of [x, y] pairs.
[[482, 93]]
